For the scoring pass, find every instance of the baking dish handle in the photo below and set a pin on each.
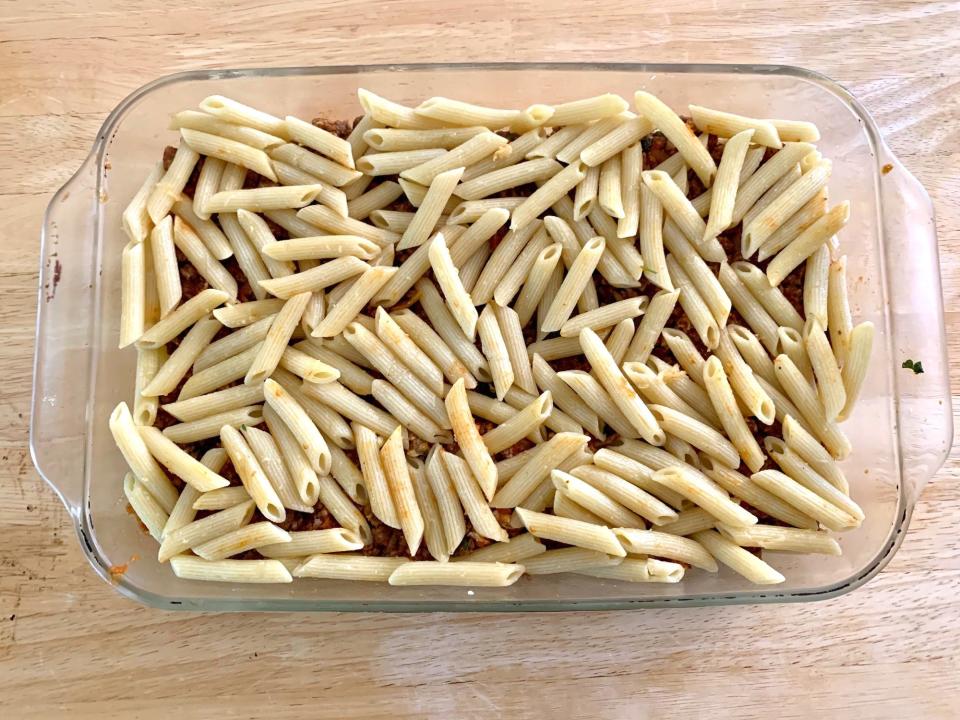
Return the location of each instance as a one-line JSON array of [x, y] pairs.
[[65, 313], [916, 308]]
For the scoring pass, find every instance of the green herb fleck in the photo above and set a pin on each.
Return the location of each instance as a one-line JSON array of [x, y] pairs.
[[244, 427], [914, 365]]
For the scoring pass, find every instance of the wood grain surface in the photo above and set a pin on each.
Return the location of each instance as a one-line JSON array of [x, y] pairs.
[[70, 645]]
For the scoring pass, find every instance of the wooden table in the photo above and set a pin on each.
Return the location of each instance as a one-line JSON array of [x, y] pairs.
[[69, 643]]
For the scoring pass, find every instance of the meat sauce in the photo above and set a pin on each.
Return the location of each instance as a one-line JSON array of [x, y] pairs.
[[389, 541]]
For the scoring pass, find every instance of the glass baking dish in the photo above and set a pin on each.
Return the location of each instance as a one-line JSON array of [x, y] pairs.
[[901, 430]]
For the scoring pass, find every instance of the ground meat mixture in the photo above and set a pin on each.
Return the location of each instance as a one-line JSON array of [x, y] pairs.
[[389, 541]]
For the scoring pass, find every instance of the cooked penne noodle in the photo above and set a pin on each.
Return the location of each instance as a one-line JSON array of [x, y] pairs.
[[378, 489], [508, 177], [608, 266], [547, 194], [333, 197], [666, 545], [316, 165], [593, 395], [136, 218], [578, 112], [564, 507], [694, 305], [409, 416], [392, 114], [456, 112], [556, 142], [180, 463], [432, 524], [148, 363], [433, 346], [804, 444], [796, 130], [697, 433], [209, 426], [462, 156], [689, 522], [278, 337], [753, 352], [145, 506], [133, 290], [700, 274], [449, 509], [576, 280], [466, 573], [229, 151], [469, 211], [265, 198], [806, 501], [737, 559], [624, 492], [378, 198], [193, 248], [449, 330], [609, 189], [833, 396], [338, 398], [571, 532], [572, 559], [653, 386], [677, 132], [540, 273], [655, 317], [316, 278], [239, 114], [506, 155], [546, 457], [349, 567], [472, 497], [564, 397], [427, 215], [394, 163], [258, 235], [310, 369], [145, 468], [725, 404], [586, 193], [312, 542], [752, 189], [219, 374], [300, 424], [624, 251], [268, 455], [468, 438], [856, 365], [397, 473], [167, 189], [357, 136], [391, 139], [812, 211], [318, 139], [749, 309], [651, 239], [639, 570], [523, 423], [214, 125], [774, 537], [241, 540], [353, 301], [703, 492], [511, 280], [624, 134], [771, 298], [417, 264], [605, 316], [838, 310], [165, 268], [570, 152], [816, 283], [222, 498], [233, 571], [756, 230], [728, 125], [631, 166], [251, 474], [240, 315], [333, 224], [724, 190], [746, 386], [801, 472]]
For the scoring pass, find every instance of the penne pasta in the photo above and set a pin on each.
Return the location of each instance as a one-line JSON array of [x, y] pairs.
[[472, 498], [729, 125], [571, 532], [833, 396], [397, 473], [427, 215], [749, 309], [546, 195], [855, 366], [651, 239], [467, 573], [838, 310], [349, 567], [536, 469], [468, 438], [609, 189], [805, 500], [724, 190], [703, 492], [737, 559], [677, 132]]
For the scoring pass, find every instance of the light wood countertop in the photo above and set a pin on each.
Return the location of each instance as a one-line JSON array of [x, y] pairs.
[[69, 644]]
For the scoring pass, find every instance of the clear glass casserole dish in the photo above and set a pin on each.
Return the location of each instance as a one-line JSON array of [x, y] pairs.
[[901, 430]]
